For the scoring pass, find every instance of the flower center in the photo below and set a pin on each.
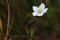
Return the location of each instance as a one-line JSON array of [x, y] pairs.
[[39, 10]]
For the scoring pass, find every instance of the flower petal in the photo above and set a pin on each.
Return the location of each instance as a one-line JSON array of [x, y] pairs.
[[40, 14], [34, 14], [35, 8], [42, 5], [45, 10]]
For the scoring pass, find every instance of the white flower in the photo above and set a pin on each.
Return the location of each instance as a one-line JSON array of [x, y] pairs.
[[39, 11]]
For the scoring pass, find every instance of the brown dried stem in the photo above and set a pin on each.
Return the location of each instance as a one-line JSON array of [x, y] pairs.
[[8, 26]]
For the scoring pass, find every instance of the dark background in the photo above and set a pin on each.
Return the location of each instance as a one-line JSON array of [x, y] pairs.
[[46, 27]]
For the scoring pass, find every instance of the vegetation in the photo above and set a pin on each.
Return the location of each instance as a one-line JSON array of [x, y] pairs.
[[17, 22]]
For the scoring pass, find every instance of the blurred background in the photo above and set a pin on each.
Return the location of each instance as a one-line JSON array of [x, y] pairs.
[[22, 22]]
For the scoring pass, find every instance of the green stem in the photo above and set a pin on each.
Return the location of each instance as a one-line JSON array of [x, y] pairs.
[[31, 35]]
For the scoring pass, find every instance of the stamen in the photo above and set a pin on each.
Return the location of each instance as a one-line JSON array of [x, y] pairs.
[[39, 10]]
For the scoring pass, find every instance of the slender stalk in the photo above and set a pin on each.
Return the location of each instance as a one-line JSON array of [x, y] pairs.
[[31, 35], [1, 30], [8, 26]]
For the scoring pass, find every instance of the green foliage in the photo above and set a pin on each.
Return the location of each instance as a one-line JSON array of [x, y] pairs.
[[51, 16], [36, 2]]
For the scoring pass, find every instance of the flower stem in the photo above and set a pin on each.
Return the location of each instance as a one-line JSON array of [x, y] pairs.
[[31, 35]]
